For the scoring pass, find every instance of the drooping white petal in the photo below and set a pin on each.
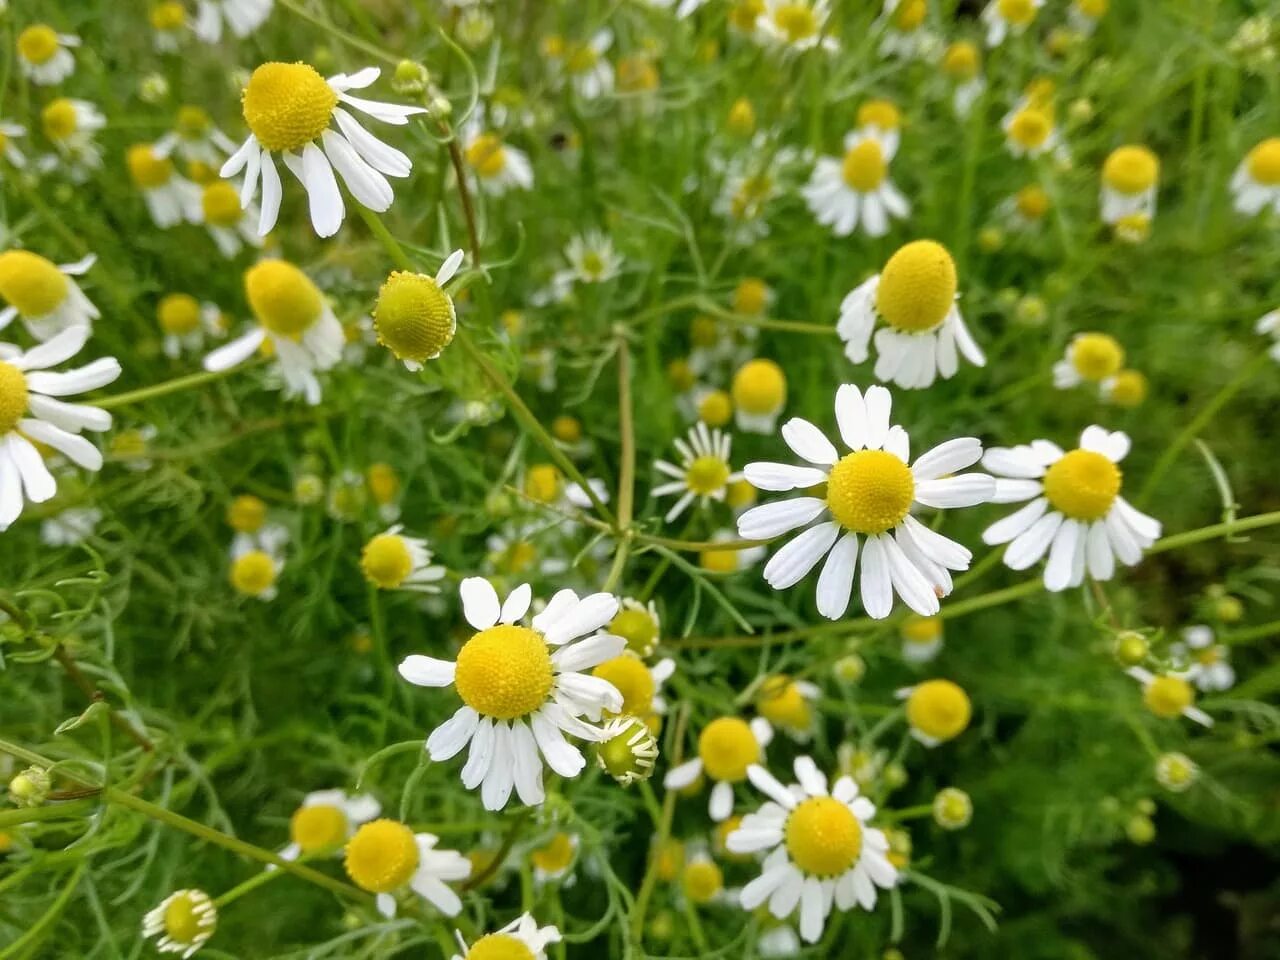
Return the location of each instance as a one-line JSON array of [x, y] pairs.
[[448, 739], [1017, 523], [427, 671], [790, 564]]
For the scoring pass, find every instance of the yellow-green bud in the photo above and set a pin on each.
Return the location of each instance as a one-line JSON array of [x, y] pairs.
[[30, 788], [410, 79]]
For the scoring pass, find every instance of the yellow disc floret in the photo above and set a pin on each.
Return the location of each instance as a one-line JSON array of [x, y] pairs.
[[824, 838], [706, 475], [759, 387], [169, 15], [247, 513], [702, 880], [1264, 162], [727, 747], [221, 204], [283, 298], [504, 672], [921, 629], [715, 408], [864, 166], [499, 946], [59, 119], [1083, 485], [1096, 356], [1131, 169], [287, 105], [189, 917], [782, 703], [13, 396], [554, 856], [870, 491], [750, 296], [179, 314], [253, 573], [1030, 128], [31, 284], [414, 318], [1094, 9], [487, 155], [382, 856], [318, 827], [38, 43], [939, 709], [637, 627], [542, 482], [962, 60], [795, 21], [192, 122], [384, 482], [148, 169], [917, 287], [1168, 696], [633, 680], [386, 561], [879, 113], [1017, 12]]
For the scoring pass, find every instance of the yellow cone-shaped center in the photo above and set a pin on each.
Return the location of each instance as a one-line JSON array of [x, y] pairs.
[[179, 314], [253, 573], [727, 747], [1083, 485], [917, 287], [782, 704], [759, 387], [318, 827], [31, 283], [1030, 128], [1264, 162], [1168, 696], [287, 105], [864, 166], [870, 491], [499, 946], [486, 155], [633, 680], [247, 513], [386, 561], [58, 119], [555, 855], [169, 15], [283, 298], [1016, 12], [147, 169], [1131, 170], [414, 317], [823, 837], [939, 709], [706, 475], [221, 204], [13, 396], [795, 21], [1096, 356], [38, 43], [637, 627], [382, 856], [181, 919], [504, 672]]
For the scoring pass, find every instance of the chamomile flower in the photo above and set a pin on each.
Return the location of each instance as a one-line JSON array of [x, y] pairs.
[[921, 639], [592, 258], [1026, 209], [1129, 178], [1176, 772], [587, 68], [170, 197], [937, 711], [325, 820], [759, 393], [962, 63], [1255, 185], [869, 494], [701, 879], [242, 16], [44, 294], [169, 25], [787, 703], [182, 923], [131, 447], [1209, 669], [922, 331], [1268, 325], [295, 318], [1090, 358], [727, 746], [795, 26], [1005, 17], [883, 120], [554, 859], [255, 566], [627, 750], [414, 317], [822, 850], [70, 527], [521, 939], [1127, 388], [230, 225], [1084, 15], [905, 34], [393, 561], [843, 192], [521, 688], [497, 166], [703, 473], [185, 322], [639, 684], [1030, 131], [8, 149], [44, 55], [637, 623], [195, 138], [29, 412], [1076, 512], [70, 125], [1169, 696], [385, 857], [289, 108]]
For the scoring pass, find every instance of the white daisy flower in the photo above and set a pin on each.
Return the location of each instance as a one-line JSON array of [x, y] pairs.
[[905, 35], [29, 411], [195, 138], [414, 317], [796, 25], [497, 166], [1084, 15], [392, 561], [1030, 131], [870, 492], [70, 527], [242, 16], [43, 294], [325, 821], [231, 226], [169, 23], [554, 859], [759, 392], [937, 711], [1076, 512], [385, 857], [788, 705], [185, 322], [70, 126], [1169, 696], [44, 55], [923, 332], [1256, 183], [1089, 358], [289, 108], [588, 69], [1129, 177], [8, 149], [841, 193], [520, 938], [256, 562], [521, 688], [921, 639], [822, 851], [962, 63], [592, 258], [703, 474], [170, 197], [727, 747], [182, 922], [295, 317], [1209, 669], [1269, 325], [130, 447], [1005, 17]]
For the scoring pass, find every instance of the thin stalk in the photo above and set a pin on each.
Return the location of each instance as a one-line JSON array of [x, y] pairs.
[[166, 387]]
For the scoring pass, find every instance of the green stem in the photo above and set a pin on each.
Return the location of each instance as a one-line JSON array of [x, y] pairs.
[[54, 811], [655, 852], [24, 945], [176, 385], [626, 426]]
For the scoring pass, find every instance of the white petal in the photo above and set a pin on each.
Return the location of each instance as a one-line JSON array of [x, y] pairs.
[[898, 443], [76, 448], [790, 564], [480, 604], [965, 490], [770, 786], [1029, 546], [588, 614], [325, 200], [879, 406], [808, 442], [851, 416], [236, 352], [772, 519], [720, 804], [427, 671], [835, 583], [37, 481], [1017, 523], [948, 457], [528, 768], [1102, 562], [556, 607], [97, 374], [448, 739], [271, 195], [877, 587], [495, 791], [54, 351], [811, 915], [911, 585], [564, 759], [72, 417], [588, 652], [810, 777], [366, 184], [678, 778], [449, 267], [781, 476], [517, 604]]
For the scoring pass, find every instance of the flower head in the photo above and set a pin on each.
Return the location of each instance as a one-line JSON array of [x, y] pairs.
[[43, 293], [521, 939], [182, 923], [727, 747], [1169, 696], [1255, 184], [44, 55], [703, 474], [385, 856], [393, 561], [414, 318]]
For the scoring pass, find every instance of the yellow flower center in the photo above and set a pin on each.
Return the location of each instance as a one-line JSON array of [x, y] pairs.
[[751, 296], [727, 747], [823, 837], [1208, 656], [1264, 162], [384, 482], [1017, 12], [192, 122], [637, 75], [146, 168], [287, 105], [922, 629], [1094, 9], [386, 561], [782, 704], [939, 709], [1032, 201], [504, 672], [204, 174], [413, 316], [179, 314], [718, 561], [759, 387], [745, 13], [555, 856], [917, 287], [633, 680], [879, 113], [870, 491], [1030, 127], [283, 298], [637, 627], [795, 21], [909, 15], [592, 263], [499, 946], [183, 917], [961, 61], [702, 880], [247, 513], [742, 117], [1131, 170], [864, 166], [1096, 356], [566, 429], [221, 204], [706, 475], [517, 557], [739, 494], [38, 43], [253, 573], [1128, 389], [542, 482], [318, 828], [487, 155], [13, 396], [58, 119], [30, 283], [715, 408], [382, 856], [1168, 696], [1082, 485], [169, 15]]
